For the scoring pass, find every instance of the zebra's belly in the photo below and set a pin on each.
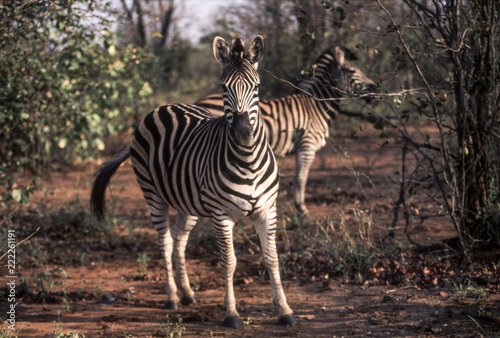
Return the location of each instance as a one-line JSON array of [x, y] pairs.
[[210, 204]]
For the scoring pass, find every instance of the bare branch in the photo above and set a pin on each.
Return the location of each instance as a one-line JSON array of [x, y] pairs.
[[405, 46], [165, 25], [141, 28], [22, 241], [127, 11], [349, 96]]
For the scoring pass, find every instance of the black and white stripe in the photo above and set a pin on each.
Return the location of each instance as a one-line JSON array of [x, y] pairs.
[[300, 122], [203, 166]]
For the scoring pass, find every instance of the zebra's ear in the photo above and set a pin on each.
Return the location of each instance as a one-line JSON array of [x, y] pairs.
[[339, 55], [220, 49], [256, 50], [343, 53]]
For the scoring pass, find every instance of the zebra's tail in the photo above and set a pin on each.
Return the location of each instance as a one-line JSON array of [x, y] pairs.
[[101, 182]]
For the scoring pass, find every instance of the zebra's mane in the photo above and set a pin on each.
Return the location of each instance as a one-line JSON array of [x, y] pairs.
[[327, 70], [238, 49]]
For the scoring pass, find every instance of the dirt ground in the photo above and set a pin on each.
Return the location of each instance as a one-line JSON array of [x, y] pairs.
[[108, 291]]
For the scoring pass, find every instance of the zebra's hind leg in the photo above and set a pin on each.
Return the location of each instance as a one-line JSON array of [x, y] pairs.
[[224, 231], [265, 226], [159, 216], [182, 227], [304, 159]]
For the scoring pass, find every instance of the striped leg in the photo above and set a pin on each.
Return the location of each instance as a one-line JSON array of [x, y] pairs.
[[265, 226], [304, 160], [182, 227], [224, 231], [159, 216]]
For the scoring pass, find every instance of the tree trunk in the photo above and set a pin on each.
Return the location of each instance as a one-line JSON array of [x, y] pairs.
[[474, 122]]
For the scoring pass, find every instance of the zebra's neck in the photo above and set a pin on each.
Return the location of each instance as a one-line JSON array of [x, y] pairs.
[[319, 94]]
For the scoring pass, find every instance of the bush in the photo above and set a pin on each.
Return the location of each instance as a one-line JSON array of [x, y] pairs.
[[65, 84]]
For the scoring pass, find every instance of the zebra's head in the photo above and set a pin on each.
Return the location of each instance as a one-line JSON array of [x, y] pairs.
[[336, 75], [240, 82]]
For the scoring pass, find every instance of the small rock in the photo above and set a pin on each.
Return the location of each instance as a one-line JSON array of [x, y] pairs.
[[329, 284], [109, 298], [374, 321], [387, 299]]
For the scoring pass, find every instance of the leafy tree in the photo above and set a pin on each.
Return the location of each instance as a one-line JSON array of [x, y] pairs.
[[65, 85]]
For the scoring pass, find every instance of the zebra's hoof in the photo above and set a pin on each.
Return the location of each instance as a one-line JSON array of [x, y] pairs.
[[171, 305], [232, 322], [188, 300], [287, 320]]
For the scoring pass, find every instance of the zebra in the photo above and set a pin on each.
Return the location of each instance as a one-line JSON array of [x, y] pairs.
[[205, 166], [300, 122]]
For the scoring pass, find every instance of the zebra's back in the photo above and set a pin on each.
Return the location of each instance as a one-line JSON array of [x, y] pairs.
[[160, 153], [291, 120]]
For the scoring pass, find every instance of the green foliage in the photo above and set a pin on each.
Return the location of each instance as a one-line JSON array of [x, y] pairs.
[[328, 247], [329, 5], [19, 194], [65, 85], [47, 283], [75, 221], [142, 261], [58, 332], [169, 329]]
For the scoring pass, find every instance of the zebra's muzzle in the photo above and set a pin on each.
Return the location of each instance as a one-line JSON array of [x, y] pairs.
[[367, 91], [241, 128]]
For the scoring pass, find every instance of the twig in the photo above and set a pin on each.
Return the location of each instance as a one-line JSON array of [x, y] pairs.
[[21, 242], [349, 96], [412, 59], [366, 117]]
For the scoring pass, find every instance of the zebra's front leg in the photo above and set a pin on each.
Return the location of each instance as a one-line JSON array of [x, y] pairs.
[[265, 225], [224, 231], [159, 217], [182, 228], [304, 159]]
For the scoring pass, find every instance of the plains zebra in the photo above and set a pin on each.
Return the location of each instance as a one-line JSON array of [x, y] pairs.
[[300, 122], [204, 166]]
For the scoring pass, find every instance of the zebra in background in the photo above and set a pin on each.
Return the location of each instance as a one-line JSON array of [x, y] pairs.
[[301, 122], [203, 166]]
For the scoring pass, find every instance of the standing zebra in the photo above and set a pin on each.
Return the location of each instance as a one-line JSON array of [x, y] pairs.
[[205, 166], [300, 122]]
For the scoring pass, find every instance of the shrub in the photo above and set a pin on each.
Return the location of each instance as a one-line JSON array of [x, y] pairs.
[[65, 84]]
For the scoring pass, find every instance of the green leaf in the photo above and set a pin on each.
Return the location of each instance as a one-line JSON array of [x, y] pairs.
[[17, 195], [25, 198], [341, 12]]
